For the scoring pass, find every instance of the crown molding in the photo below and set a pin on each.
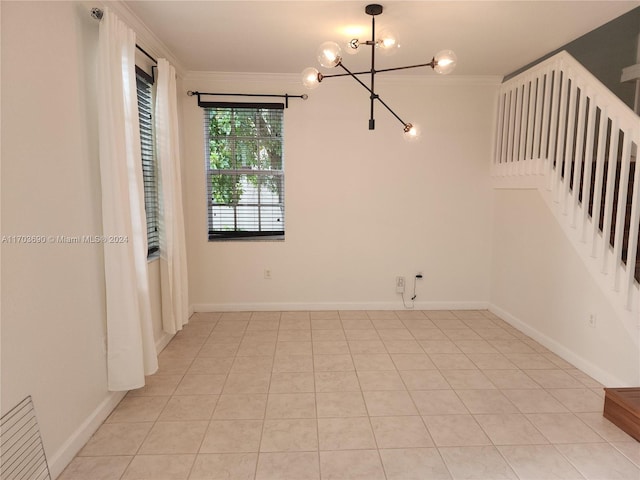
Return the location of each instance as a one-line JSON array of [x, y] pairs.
[[242, 77], [294, 78], [144, 36]]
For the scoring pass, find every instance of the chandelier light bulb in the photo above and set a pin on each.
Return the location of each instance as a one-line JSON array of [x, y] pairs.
[[383, 42], [445, 62], [311, 78], [329, 54], [411, 132], [352, 46], [388, 42]]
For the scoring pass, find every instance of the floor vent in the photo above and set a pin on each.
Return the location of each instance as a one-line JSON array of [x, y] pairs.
[[23, 456]]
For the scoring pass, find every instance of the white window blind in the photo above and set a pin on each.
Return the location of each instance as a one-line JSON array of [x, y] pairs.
[[245, 170]]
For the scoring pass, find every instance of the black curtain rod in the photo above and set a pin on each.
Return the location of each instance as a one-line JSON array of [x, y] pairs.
[[146, 54], [98, 13], [286, 96]]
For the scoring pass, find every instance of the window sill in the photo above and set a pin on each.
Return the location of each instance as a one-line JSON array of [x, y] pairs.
[[266, 238], [248, 236]]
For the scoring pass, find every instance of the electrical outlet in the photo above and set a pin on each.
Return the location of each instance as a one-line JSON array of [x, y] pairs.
[[399, 284], [267, 274], [592, 320]]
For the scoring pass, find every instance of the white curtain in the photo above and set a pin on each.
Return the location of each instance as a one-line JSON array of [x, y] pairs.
[[173, 252], [131, 352]]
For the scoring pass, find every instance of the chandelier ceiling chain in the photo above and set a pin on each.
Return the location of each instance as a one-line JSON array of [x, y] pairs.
[[330, 56]]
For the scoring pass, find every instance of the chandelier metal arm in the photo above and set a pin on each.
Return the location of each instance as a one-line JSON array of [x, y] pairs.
[[431, 64], [391, 111], [372, 122], [374, 96], [365, 72], [329, 56], [350, 73]]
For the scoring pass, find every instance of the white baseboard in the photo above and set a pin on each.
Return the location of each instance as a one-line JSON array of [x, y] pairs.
[[288, 307], [606, 378], [163, 342], [61, 458]]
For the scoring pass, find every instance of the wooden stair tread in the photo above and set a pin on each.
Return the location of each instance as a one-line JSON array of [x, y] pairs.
[[622, 408]]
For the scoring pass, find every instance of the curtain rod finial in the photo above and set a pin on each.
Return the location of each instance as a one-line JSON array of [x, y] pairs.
[[97, 13]]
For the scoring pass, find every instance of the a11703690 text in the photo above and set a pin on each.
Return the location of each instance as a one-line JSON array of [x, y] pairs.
[[63, 239]]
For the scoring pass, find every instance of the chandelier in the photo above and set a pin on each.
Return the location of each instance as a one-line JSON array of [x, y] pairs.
[[330, 56]]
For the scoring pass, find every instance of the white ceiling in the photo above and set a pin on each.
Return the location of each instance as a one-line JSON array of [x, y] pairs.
[[489, 37]]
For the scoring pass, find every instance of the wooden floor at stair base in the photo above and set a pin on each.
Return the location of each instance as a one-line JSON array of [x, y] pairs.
[[622, 407]]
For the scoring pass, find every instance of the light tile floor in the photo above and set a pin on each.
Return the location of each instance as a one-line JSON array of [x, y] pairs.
[[358, 395]]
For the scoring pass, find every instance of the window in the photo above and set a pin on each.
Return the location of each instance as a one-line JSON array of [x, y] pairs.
[[244, 167], [149, 171]]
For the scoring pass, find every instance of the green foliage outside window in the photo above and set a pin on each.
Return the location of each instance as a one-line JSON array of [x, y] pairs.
[[245, 159]]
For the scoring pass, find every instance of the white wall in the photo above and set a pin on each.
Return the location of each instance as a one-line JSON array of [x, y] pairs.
[[361, 206], [539, 283], [53, 304], [53, 294]]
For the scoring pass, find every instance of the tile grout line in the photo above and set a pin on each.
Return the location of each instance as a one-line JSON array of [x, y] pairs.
[[195, 457], [154, 423], [384, 470], [266, 404], [468, 322], [235, 356], [315, 398], [435, 446]]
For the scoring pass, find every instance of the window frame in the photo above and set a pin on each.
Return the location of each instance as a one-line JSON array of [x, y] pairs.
[[213, 234], [148, 162]]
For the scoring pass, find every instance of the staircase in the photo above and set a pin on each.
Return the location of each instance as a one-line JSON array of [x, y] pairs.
[[561, 131], [627, 221]]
